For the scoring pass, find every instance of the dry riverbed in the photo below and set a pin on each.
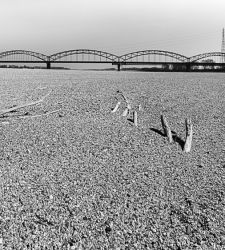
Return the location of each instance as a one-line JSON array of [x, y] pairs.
[[86, 178]]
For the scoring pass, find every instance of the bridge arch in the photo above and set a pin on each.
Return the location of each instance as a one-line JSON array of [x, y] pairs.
[[101, 54], [131, 55], [205, 55], [40, 56]]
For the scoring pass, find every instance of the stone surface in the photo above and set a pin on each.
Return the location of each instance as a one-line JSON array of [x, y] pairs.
[[89, 179]]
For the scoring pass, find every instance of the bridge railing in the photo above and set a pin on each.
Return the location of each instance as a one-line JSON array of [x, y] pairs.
[[210, 55], [146, 55], [97, 56], [22, 55], [91, 55]]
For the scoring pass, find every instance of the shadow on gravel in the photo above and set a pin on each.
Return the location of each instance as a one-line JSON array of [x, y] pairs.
[[158, 132], [130, 120], [176, 138]]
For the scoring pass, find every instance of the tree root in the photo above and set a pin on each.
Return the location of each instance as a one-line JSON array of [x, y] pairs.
[[34, 116], [2, 112]]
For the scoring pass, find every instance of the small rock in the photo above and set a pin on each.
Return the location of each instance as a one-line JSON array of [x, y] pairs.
[[5, 123], [108, 229]]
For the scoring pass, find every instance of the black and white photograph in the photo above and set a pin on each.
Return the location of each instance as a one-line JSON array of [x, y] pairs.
[[112, 125]]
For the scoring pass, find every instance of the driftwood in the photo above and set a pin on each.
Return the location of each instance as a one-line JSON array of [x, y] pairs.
[[127, 110], [2, 112], [128, 105], [124, 97], [34, 116], [116, 108], [135, 118], [189, 134], [166, 129]]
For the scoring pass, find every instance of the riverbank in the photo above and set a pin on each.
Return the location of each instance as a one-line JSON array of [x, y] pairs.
[[86, 178]]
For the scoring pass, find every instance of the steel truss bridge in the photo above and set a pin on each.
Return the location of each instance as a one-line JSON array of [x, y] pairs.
[[145, 57]]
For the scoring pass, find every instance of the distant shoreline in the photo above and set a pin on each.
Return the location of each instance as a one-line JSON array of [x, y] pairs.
[[133, 69], [28, 67]]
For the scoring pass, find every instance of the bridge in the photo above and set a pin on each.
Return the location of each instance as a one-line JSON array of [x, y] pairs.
[[145, 57]]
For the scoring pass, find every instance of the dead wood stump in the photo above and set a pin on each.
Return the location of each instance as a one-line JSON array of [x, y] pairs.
[[135, 118], [166, 129], [189, 134], [116, 108]]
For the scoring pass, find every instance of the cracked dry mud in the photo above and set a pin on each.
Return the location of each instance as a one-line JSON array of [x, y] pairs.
[[84, 178]]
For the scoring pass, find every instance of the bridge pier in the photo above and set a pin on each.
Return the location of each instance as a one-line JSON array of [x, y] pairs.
[[188, 67], [48, 65], [118, 66]]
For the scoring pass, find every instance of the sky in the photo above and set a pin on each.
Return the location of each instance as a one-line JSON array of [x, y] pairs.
[[188, 27]]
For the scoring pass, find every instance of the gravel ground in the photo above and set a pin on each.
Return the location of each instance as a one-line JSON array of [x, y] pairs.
[[86, 178]]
